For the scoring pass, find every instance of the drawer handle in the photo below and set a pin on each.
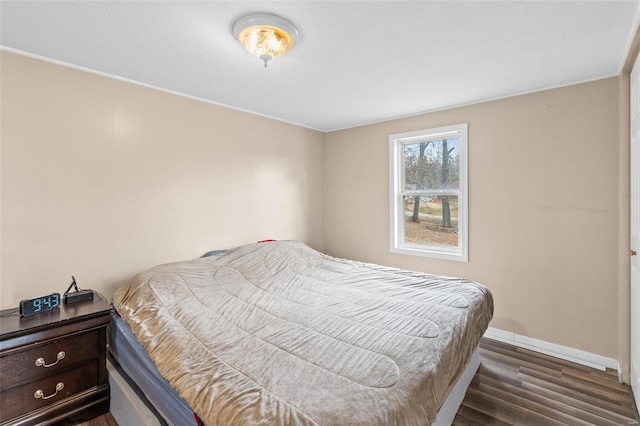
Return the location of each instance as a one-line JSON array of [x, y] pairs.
[[40, 394], [40, 361]]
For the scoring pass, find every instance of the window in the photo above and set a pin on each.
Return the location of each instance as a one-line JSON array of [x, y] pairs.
[[428, 192]]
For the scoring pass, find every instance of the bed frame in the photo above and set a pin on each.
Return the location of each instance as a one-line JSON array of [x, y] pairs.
[[129, 405]]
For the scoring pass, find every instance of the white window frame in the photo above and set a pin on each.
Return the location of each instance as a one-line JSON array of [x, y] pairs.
[[397, 192]]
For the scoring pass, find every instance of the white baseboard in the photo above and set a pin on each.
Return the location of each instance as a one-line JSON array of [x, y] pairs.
[[563, 352]]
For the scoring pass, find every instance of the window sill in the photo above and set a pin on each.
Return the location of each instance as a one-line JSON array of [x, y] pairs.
[[431, 251]]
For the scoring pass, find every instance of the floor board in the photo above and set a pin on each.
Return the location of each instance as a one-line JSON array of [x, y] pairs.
[[518, 387], [515, 386], [104, 420]]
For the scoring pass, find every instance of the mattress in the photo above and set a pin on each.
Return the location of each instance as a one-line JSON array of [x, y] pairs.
[[279, 333]]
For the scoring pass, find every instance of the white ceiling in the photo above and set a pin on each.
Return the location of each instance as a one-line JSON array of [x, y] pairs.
[[356, 62]]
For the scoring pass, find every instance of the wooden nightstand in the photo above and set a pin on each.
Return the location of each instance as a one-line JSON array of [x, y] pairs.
[[53, 364]]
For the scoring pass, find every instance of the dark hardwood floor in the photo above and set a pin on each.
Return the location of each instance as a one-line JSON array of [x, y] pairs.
[[104, 420], [515, 386]]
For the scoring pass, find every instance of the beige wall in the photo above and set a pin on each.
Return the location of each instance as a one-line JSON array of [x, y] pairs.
[[544, 209], [103, 179]]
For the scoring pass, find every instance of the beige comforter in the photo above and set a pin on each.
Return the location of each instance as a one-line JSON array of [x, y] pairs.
[[280, 334]]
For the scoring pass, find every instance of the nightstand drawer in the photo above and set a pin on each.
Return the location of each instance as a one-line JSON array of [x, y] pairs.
[[48, 359], [49, 390]]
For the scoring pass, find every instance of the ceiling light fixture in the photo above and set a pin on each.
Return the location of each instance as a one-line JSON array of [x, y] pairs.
[[265, 35]]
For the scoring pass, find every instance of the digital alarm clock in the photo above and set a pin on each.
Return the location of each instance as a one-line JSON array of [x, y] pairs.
[[40, 304]]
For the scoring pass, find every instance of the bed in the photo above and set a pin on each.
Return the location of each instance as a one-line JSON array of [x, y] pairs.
[[278, 333]]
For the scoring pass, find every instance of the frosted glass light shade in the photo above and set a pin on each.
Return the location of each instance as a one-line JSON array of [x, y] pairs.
[[264, 35]]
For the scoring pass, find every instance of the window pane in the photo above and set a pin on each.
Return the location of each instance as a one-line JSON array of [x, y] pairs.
[[431, 220], [432, 165]]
